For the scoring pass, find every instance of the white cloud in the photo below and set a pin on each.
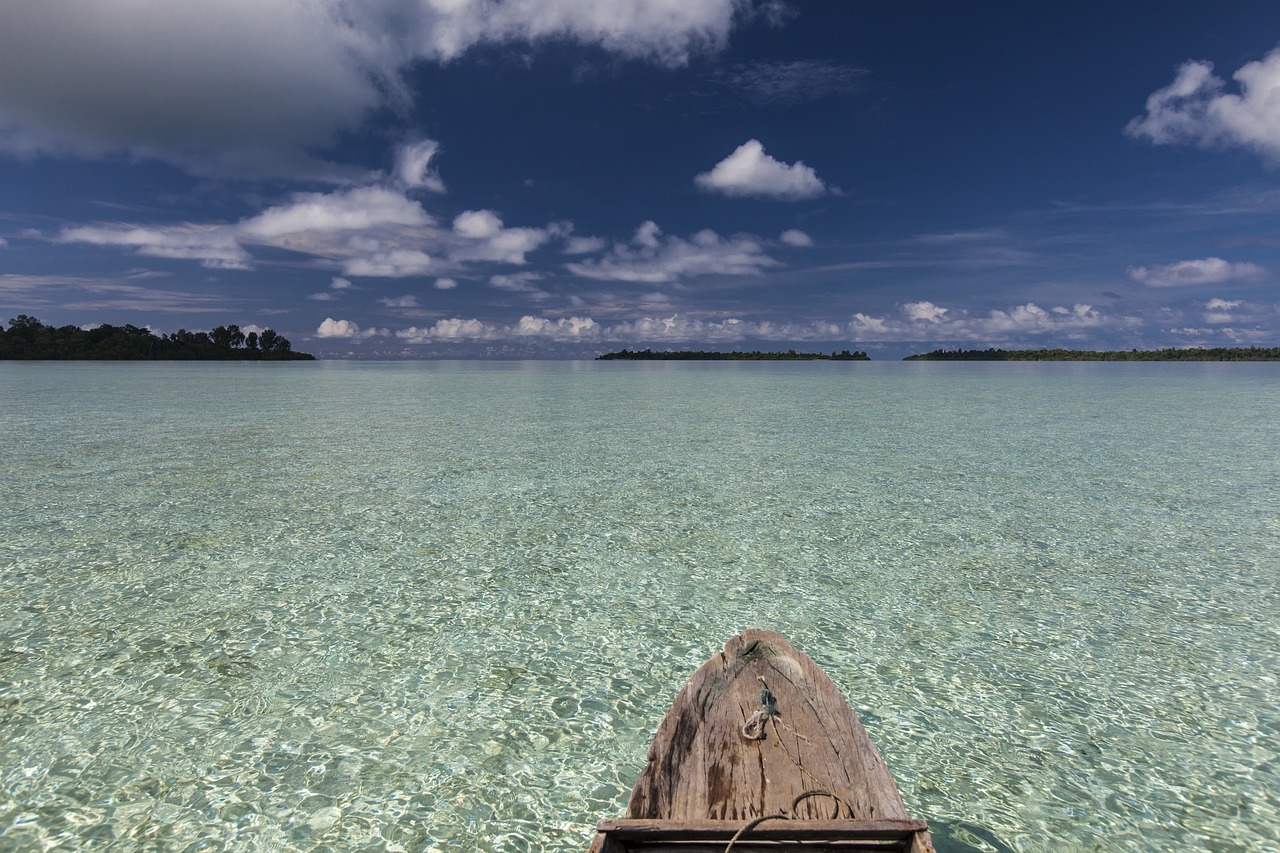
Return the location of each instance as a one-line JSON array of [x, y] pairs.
[[945, 324], [74, 293], [485, 238], [749, 171], [337, 284], [584, 245], [413, 162], [661, 30], [1219, 311], [794, 237], [214, 246], [926, 311], [477, 224], [521, 282], [1194, 109], [651, 257], [562, 329], [372, 230], [248, 88], [400, 301], [1195, 272], [675, 329], [454, 329], [864, 325], [358, 209], [445, 284], [392, 263], [332, 328]]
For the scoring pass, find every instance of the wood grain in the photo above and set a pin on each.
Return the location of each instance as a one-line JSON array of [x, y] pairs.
[[701, 766]]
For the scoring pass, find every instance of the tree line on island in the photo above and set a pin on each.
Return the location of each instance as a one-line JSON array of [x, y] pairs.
[[29, 339], [1168, 354], [702, 355]]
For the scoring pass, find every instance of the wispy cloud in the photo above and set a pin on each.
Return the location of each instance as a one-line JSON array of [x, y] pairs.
[[1195, 272], [35, 292], [375, 230], [797, 82]]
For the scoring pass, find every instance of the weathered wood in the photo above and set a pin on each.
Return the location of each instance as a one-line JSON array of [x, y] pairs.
[[701, 765], [704, 768], [782, 830]]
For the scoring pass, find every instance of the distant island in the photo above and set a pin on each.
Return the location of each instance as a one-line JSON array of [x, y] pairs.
[[1171, 354], [701, 355], [29, 339]]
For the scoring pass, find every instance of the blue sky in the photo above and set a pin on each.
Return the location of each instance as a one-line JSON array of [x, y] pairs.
[[533, 179]]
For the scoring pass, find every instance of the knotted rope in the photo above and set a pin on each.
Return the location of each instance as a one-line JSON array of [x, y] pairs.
[[755, 728]]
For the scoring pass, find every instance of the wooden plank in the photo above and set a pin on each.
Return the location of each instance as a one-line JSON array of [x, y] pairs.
[[702, 767], [785, 830], [764, 847]]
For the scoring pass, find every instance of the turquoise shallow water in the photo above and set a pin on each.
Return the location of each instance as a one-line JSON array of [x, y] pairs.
[[442, 606]]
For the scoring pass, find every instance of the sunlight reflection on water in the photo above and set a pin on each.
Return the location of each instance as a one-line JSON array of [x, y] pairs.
[[443, 606]]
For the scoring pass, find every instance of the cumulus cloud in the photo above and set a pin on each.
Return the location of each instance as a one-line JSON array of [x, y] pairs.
[[252, 87], [477, 224], [332, 328], [485, 238], [1219, 311], [794, 237], [749, 171], [445, 283], [413, 161], [1195, 272], [925, 321], [561, 329], [1195, 109], [653, 257], [674, 329], [453, 329], [926, 311]]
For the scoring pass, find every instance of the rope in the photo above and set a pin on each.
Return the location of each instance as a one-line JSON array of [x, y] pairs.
[[789, 814], [755, 728]]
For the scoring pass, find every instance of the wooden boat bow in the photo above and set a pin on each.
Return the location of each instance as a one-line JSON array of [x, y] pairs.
[[760, 738]]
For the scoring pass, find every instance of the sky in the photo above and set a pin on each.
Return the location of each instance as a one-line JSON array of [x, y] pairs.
[[562, 178]]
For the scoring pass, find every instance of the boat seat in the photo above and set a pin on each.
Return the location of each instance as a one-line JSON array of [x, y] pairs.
[[711, 836]]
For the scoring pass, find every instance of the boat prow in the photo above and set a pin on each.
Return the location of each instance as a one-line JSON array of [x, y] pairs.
[[760, 748]]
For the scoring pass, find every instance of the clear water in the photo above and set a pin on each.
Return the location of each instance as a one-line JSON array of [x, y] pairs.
[[442, 606]]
